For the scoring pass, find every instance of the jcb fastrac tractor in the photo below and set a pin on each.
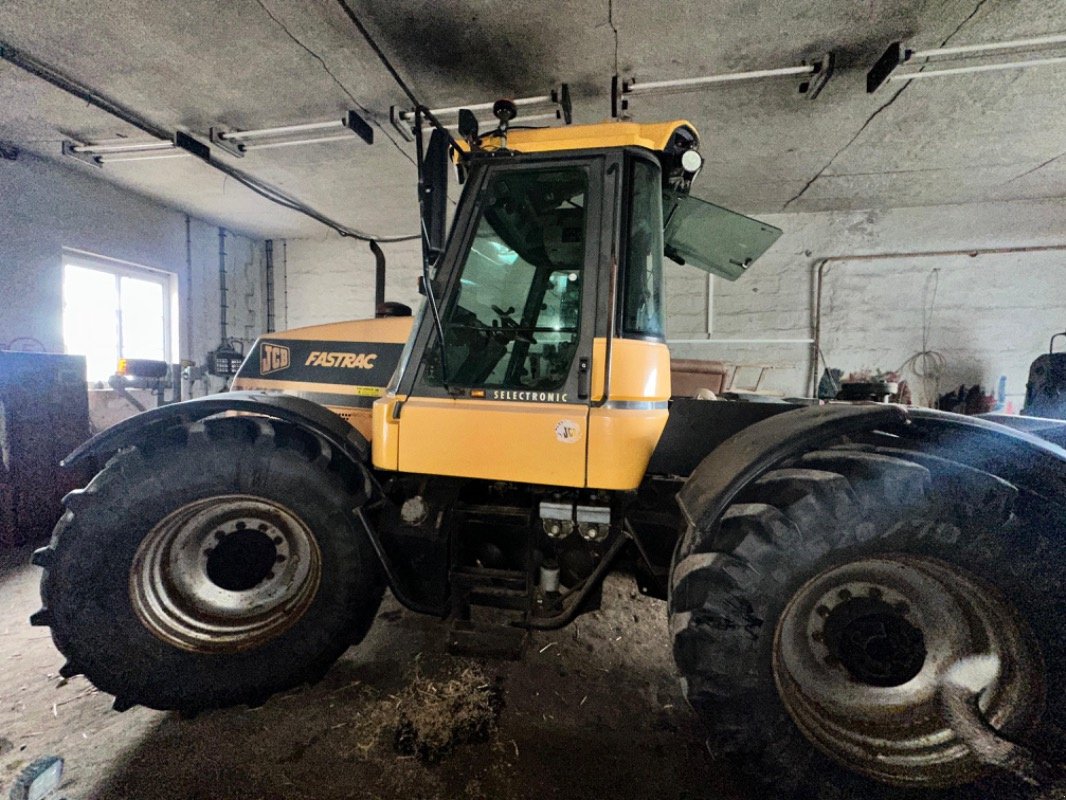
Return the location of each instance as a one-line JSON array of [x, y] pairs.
[[516, 439]]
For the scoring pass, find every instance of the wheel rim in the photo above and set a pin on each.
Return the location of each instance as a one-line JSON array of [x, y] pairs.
[[859, 655], [225, 574]]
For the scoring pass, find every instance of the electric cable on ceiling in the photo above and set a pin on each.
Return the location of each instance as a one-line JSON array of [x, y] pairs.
[[394, 73]]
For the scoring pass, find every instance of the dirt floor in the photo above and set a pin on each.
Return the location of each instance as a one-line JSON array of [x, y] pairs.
[[591, 711]]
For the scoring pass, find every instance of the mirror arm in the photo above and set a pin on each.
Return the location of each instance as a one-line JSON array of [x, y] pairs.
[[427, 280]]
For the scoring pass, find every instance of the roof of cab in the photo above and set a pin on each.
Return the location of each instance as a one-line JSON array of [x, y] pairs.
[[652, 135]]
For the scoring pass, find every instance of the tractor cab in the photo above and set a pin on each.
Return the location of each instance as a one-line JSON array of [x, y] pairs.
[[540, 355]]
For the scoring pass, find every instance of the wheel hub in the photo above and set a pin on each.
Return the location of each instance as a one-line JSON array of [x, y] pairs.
[[242, 558], [224, 574], [873, 640], [860, 651]]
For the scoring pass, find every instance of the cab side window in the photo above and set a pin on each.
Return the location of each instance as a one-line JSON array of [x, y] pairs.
[[642, 290]]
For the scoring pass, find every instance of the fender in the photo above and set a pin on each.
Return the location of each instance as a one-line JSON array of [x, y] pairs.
[[1014, 455], [1054, 430], [295, 410], [298, 411]]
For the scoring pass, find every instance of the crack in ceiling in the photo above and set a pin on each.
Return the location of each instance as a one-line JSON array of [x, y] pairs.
[[877, 112], [369, 115]]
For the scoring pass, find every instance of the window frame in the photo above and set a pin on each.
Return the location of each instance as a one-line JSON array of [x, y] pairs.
[[626, 214], [412, 382], [119, 269], [538, 281]]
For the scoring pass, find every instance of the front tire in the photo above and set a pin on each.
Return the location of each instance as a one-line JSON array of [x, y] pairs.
[[214, 565], [826, 603]]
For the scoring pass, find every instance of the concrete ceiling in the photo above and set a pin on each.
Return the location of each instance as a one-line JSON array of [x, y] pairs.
[[259, 63]]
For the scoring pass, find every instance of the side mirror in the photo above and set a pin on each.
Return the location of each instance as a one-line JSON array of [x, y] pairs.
[[435, 191], [421, 285]]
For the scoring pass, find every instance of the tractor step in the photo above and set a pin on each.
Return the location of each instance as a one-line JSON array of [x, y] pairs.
[[490, 588], [487, 640]]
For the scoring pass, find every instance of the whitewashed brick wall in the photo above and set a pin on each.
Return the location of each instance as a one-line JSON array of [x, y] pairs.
[[330, 279], [993, 314]]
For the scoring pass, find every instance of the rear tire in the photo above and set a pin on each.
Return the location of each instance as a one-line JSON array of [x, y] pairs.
[[741, 588], [214, 565]]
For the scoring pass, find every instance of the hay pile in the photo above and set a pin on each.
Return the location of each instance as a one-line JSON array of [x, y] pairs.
[[431, 716]]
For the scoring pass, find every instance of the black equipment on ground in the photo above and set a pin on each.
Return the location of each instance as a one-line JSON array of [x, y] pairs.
[[1045, 393]]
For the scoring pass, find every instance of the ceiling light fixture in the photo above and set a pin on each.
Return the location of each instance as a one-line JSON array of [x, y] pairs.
[[238, 142], [813, 73], [898, 55], [115, 150], [107, 159], [554, 105]]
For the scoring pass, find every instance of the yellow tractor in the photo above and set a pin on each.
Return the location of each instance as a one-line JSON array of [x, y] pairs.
[[513, 441]]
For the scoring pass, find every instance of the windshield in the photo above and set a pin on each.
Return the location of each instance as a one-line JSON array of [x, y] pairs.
[[514, 321], [713, 238]]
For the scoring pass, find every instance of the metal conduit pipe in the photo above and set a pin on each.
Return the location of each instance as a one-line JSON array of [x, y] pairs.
[[819, 265], [222, 319], [188, 288], [268, 266]]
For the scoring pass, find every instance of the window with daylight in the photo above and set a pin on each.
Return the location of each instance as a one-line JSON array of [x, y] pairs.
[[114, 310]]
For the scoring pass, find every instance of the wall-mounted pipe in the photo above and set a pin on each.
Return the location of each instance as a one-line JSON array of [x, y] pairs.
[[222, 298], [819, 265], [739, 341], [268, 257], [188, 289]]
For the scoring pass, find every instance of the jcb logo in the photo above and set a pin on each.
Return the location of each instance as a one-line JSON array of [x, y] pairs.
[[273, 358]]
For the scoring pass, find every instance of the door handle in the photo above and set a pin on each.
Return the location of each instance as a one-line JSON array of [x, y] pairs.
[[583, 378]]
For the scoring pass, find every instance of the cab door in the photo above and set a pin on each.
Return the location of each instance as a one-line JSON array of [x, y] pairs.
[[507, 396]]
